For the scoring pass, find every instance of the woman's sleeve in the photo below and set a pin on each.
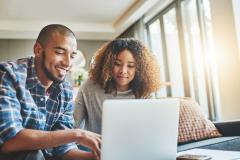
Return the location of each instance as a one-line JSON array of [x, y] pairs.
[[79, 109]]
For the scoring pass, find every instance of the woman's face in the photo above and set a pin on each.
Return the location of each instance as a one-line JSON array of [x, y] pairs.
[[124, 70]]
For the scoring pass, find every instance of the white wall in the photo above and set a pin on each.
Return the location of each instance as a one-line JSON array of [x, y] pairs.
[[236, 9], [228, 61], [13, 49], [88, 48]]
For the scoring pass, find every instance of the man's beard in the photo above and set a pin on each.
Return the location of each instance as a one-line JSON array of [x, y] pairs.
[[48, 74]]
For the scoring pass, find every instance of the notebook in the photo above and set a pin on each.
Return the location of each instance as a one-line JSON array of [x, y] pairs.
[[145, 129]]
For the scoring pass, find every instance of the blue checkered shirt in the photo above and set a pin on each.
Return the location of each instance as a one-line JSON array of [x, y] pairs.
[[23, 103]]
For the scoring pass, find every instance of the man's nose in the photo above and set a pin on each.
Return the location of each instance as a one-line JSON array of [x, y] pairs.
[[67, 61]]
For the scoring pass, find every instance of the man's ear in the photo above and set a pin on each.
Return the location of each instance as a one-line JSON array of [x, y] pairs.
[[37, 49]]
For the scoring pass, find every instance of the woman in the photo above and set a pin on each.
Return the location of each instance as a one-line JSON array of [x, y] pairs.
[[121, 69]]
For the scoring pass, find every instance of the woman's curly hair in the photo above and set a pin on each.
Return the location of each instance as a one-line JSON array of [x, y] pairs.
[[147, 76]]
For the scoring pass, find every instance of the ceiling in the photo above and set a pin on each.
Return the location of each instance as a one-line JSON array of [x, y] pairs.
[[89, 19]]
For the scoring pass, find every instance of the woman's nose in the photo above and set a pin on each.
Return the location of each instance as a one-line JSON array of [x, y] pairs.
[[123, 69]]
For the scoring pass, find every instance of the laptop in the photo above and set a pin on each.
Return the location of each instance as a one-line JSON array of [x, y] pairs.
[[145, 129]]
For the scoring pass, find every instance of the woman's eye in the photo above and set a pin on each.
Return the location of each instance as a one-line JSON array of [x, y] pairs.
[[131, 66], [117, 63]]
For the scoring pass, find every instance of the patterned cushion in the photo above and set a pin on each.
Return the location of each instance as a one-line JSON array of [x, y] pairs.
[[193, 124]]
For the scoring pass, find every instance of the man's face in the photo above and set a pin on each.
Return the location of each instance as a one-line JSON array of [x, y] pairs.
[[57, 56]]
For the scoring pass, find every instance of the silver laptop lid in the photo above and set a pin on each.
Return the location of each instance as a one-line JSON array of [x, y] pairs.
[[140, 129]]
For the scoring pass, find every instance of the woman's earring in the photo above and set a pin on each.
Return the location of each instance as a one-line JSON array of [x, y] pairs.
[[110, 78]]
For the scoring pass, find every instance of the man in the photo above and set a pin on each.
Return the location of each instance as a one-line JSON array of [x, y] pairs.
[[36, 102]]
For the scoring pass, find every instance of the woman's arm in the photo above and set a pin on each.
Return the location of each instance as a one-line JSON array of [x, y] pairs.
[[79, 109]]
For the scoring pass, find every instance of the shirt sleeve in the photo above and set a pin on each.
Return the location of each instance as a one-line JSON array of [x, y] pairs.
[[79, 109], [65, 121], [10, 117]]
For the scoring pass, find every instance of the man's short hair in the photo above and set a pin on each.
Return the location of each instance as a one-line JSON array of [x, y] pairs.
[[46, 33]]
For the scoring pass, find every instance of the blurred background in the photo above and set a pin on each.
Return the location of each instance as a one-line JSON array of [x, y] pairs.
[[197, 42]]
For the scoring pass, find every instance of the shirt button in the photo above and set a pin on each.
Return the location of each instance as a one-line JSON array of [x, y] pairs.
[[42, 99]]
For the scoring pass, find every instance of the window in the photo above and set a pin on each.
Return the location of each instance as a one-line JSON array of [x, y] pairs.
[[181, 38], [156, 45], [163, 37], [194, 52], [173, 53]]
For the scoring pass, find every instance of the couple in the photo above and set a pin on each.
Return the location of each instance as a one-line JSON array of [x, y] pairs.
[[36, 103]]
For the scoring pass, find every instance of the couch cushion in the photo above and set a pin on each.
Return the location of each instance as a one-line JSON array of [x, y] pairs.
[[229, 145], [193, 124], [208, 143]]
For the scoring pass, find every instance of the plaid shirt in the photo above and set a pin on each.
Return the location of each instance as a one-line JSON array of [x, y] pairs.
[[23, 103]]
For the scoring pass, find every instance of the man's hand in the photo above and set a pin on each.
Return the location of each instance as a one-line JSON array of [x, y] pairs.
[[90, 140]]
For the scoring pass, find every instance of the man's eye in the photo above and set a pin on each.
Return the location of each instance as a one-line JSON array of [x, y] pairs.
[[58, 52]]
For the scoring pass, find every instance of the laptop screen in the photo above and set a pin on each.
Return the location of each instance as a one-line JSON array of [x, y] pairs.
[[145, 129]]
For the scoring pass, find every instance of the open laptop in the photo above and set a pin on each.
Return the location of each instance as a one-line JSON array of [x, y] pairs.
[[140, 129]]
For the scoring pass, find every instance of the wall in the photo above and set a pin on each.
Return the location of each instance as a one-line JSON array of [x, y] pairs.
[[88, 48], [13, 49], [236, 8], [228, 62]]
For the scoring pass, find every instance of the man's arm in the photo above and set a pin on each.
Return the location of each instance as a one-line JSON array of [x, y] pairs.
[[13, 136], [28, 139], [76, 154]]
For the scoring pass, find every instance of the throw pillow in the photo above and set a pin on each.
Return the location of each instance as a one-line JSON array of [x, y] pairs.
[[193, 124]]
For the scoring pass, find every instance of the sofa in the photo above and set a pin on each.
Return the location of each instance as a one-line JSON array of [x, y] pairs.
[[230, 139]]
